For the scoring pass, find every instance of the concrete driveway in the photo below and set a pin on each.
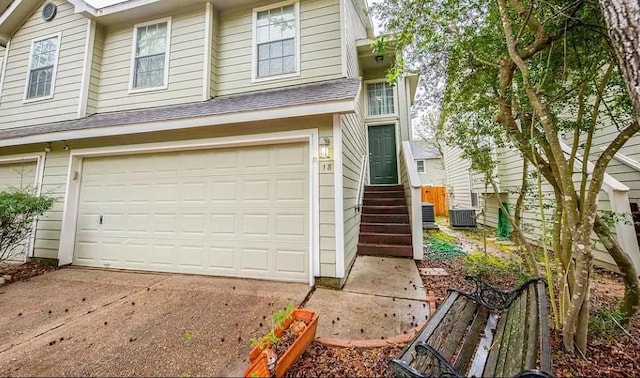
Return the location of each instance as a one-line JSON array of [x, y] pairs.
[[86, 322]]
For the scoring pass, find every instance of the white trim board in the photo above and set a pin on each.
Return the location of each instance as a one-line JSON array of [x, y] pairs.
[[342, 106], [208, 36], [338, 196], [3, 69], [70, 211], [86, 71]]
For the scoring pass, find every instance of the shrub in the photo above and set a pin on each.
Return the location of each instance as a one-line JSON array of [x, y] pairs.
[[19, 209]]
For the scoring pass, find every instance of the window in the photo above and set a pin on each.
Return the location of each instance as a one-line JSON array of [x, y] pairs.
[[151, 55], [276, 50], [474, 199], [380, 99], [421, 167], [43, 62]]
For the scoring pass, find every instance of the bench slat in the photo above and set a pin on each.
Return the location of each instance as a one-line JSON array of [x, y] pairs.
[[466, 353], [440, 338], [545, 343], [506, 337], [482, 352], [531, 354], [492, 361], [432, 324], [515, 351], [458, 331]]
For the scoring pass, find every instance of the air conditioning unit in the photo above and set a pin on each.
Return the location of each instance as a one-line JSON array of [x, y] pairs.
[[428, 216], [462, 218]]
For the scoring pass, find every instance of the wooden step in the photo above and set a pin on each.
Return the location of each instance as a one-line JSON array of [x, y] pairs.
[[384, 210], [388, 239], [385, 218], [384, 194], [385, 250], [383, 201], [381, 188], [385, 228]]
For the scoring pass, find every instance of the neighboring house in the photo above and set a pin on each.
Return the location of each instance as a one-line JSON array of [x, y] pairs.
[[210, 137], [429, 165], [621, 188]]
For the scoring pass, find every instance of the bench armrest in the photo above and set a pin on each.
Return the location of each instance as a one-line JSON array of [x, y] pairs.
[[493, 298], [446, 369], [533, 374]]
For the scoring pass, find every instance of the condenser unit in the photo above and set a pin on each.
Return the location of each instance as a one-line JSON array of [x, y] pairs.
[[463, 218], [428, 216]]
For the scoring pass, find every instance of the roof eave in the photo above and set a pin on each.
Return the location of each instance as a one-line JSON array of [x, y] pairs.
[[328, 107]]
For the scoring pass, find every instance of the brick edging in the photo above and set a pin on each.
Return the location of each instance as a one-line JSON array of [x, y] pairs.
[[379, 343]]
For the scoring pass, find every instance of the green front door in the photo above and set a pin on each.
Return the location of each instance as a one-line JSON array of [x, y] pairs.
[[382, 155]]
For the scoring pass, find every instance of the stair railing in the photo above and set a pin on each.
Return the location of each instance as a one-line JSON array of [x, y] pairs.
[[361, 182]]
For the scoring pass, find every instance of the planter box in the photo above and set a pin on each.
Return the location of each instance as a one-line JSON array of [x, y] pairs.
[[258, 367], [299, 345]]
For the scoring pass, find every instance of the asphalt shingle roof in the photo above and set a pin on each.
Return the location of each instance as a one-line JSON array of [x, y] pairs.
[[327, 91]]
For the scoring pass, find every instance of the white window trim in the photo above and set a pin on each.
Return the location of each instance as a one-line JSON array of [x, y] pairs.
[[254, 44], [167, 54], [424, 166], [26, 100], [366, 100]]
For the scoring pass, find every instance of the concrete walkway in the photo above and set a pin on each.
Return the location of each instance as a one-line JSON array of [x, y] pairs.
[[383, 297], [86, 322]]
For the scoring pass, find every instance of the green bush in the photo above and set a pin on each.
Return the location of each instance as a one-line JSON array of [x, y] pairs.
[[19, 209]]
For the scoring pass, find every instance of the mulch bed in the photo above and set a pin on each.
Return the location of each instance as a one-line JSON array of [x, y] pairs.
[[320, 360], [24, 271]]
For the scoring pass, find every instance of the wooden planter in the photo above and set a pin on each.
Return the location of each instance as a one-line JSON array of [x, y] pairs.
[[297, 348], [258, 367]]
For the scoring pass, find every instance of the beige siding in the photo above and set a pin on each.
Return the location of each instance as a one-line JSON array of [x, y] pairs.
[[54, 183], [96, 69], [510, 173], [457, 171], [353, 150], [55, 176], [434, 173], [320, 53], [354, 30], [185, 66], [327, 216], [64, 104]]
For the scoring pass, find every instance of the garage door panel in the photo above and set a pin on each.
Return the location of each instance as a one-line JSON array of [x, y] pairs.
[[235, 212]]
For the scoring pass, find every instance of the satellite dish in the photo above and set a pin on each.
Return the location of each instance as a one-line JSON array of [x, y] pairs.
[[49, 11]]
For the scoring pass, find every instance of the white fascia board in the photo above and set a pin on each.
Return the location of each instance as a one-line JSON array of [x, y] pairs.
[[343, 106], [607, 181]]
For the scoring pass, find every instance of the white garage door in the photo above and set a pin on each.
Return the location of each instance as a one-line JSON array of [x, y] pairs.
[[241, 212], [18, 175]]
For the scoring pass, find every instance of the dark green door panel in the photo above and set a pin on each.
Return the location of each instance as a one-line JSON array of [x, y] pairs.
[[383, 167]]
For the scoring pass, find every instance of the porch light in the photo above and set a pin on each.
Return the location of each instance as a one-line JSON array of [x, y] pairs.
[[379, 58], [325, 142]]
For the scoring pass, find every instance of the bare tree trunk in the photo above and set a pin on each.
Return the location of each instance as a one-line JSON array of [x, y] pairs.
[[631, 301], [623, 23]]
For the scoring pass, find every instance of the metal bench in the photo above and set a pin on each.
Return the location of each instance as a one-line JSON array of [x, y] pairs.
[[485, 333]]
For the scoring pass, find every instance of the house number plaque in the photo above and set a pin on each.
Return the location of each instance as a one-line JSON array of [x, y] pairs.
[[326, 166]]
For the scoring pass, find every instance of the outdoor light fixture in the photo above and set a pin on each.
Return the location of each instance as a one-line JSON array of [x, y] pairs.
[[379, 58], [47, 147], [325, 142]]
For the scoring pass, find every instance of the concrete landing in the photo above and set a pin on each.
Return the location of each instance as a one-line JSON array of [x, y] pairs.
[[383, 297]]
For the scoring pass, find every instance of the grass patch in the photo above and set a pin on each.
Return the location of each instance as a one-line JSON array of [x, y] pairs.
[[488, 266], [602, 321]]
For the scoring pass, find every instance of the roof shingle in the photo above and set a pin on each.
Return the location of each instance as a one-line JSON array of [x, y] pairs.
[[327, 91]]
